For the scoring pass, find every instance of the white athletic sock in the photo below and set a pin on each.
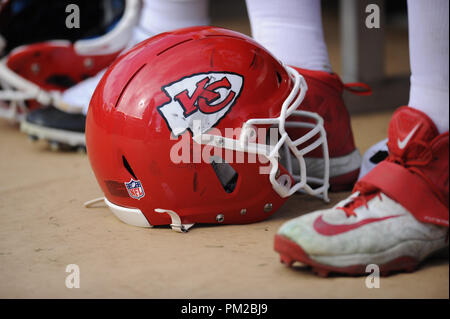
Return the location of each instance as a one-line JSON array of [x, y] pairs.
[[428, 47], [291, 30], [164, 15]]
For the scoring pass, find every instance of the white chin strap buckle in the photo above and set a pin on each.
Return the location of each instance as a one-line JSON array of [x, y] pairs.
[[130, 216], [176, 221]]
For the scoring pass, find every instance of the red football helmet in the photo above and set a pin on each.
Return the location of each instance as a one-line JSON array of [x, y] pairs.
[[164, 114]]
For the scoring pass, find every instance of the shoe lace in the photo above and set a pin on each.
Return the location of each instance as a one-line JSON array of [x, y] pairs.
[[413, 165], [365, 193], [360, 199]]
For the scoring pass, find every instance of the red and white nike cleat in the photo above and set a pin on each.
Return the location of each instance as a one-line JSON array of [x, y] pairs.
[[396, 217], [324, 97]]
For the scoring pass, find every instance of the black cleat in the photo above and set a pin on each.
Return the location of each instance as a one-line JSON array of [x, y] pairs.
[[63, 131]]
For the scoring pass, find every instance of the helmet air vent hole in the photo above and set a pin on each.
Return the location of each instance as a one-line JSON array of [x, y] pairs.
[[225, 173], [279, 78], [128, 82], [172, 46], [224, 36], [128, 167]]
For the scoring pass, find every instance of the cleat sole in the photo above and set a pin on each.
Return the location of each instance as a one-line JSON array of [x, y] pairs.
[[292, 252], [286, 260]]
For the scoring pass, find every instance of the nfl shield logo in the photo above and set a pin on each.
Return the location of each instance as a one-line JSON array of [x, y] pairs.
[[135, 189]]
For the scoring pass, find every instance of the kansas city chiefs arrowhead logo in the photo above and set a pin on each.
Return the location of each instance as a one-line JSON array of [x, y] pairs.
[[204, 97]]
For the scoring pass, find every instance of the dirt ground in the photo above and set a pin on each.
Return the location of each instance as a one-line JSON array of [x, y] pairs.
[[44, 227]]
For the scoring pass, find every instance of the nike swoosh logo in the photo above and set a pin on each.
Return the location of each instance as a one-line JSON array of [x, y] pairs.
[[402, 144], [326, 229]]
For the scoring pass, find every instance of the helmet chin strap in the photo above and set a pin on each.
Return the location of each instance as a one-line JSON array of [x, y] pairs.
[[176, 220], [134, 216]]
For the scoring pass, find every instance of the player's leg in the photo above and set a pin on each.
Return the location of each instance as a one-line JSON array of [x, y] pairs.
[[429, 69], [398, 213], [292, 31]]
